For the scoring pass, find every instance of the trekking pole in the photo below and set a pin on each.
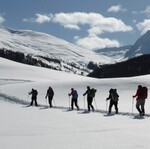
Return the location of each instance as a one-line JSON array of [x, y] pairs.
[[95, 103], [54, 102], [132, 105], [106, 105], [84, 101], [46, 101], [69, 101], [28, 97]]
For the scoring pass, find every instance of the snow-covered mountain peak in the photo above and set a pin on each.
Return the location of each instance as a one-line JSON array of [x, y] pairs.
[[140, 47], [45, 45]]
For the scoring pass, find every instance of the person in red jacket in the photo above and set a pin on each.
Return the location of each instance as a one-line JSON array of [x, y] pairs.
[[140, 100]]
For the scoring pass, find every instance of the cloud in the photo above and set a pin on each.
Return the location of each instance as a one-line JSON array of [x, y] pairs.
[[116, 8], [40, 19], [144, 26], [94, 24], [97, 25], [72, 26], [96, 42], [110, 25], [71, 19], [2, 20], [146, 11]]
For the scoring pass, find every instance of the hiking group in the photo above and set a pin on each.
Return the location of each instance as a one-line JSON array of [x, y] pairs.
[[141, 95]]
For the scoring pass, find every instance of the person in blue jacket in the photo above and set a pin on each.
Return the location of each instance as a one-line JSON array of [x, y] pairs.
[[74, 99]]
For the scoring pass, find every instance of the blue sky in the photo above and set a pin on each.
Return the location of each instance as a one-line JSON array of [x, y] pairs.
[[92, 24]]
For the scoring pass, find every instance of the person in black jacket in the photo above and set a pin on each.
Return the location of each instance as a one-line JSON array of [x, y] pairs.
[[89, 98], [50, 94], [114, 97], [34, 94]]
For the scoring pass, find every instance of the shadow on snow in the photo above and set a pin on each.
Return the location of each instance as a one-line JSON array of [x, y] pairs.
[[26, 104]]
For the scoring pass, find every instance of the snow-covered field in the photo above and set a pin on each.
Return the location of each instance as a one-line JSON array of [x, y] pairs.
[[57, 128]]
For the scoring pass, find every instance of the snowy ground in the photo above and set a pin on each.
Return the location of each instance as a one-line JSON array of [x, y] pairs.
[[57, 128]]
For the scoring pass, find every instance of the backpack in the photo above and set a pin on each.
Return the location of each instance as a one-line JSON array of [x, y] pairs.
[[114, 95], [35, 93], [50, 92], [144, 93], [75, 94], [92, 92]]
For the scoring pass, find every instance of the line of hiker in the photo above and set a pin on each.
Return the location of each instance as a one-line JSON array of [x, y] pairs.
[[141, 95]]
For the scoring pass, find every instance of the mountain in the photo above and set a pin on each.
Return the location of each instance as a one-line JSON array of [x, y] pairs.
[[141, 46], [45, 50], [116, 53], [135, 60]]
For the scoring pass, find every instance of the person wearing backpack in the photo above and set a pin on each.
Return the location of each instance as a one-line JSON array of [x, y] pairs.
[[34, 94], [90, 95], [141, 95], [50, 95], [113, 97], [74, 99]]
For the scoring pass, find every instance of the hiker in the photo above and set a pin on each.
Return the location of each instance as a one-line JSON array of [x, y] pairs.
[[141, 95], [90, 95], [113, 97], [74, 99], [34, 94], [50, 94]]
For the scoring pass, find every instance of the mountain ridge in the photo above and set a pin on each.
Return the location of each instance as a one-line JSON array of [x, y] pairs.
[[140, 47], [39, 45]]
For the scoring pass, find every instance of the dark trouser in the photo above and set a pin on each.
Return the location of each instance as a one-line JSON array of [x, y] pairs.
[[140, 106], [115, 103], [50, 100], [89, 102], [33, 99], [74, 101]]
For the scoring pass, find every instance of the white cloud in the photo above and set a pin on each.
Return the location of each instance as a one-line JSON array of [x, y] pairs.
[[72, 19], [95, 23], [96, 42], [108, 25], [144, 26], [116, 8], [2, 20], [40, 19], [146, 11]]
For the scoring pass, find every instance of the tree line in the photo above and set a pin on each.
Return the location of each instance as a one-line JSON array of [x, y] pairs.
[[132, 67]]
